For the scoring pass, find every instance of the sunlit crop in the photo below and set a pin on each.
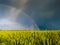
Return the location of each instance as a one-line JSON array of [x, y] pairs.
[[30, 37]]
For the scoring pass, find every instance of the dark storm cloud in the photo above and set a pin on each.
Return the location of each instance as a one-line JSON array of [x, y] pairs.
[[15, 3], [46, 13]]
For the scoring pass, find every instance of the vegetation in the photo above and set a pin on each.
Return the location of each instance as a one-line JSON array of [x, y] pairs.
[[29, 37]]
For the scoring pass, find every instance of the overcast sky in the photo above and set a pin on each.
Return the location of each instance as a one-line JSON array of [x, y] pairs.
[[45, 13], [13, 18]]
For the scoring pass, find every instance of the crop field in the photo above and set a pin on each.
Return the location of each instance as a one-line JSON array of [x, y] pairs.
[[29, 37]]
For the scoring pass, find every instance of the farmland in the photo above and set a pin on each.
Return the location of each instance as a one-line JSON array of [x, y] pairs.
[[29, 37]]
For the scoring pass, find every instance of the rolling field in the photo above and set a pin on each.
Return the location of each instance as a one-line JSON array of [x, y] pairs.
[[29, 37]]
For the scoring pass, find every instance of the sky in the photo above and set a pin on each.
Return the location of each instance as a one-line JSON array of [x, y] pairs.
[[13, 18], [44, 14]]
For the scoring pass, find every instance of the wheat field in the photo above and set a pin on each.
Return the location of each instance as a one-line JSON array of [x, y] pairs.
[[29, 37]]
